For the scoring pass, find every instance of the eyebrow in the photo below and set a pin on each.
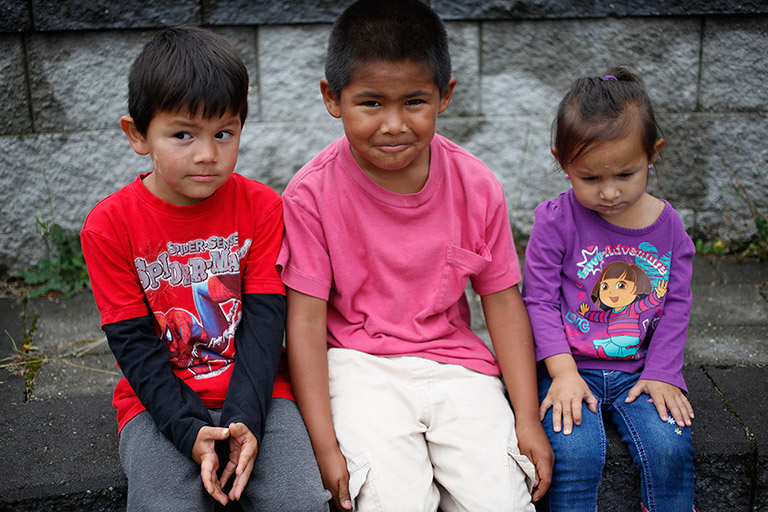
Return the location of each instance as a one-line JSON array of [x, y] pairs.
[[376, 95]]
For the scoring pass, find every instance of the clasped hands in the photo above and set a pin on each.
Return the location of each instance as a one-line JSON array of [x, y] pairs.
[[243, 448]]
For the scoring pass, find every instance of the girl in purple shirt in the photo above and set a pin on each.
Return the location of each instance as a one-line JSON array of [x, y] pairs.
[[624, 355]]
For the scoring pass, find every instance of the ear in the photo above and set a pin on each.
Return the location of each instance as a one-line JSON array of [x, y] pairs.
[[657, 147], [447, 95], [557, 159], [330, 99], [137, 140]]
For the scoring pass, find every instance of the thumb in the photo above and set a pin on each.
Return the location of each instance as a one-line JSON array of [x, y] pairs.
[[591, 402], [219, 433], [633, 393], [345, 499]]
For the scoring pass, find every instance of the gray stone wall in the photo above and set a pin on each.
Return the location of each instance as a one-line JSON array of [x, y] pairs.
[[63, 69]]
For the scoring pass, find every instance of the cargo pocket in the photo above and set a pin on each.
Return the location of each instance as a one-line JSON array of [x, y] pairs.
[[459, 265], [521, 462], [358, 468]]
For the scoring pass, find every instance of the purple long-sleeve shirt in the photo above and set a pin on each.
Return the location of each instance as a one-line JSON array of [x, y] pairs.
[[570, 247]]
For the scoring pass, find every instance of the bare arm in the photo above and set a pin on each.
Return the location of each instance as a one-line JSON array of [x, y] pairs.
[[306, 335], [510, 332]]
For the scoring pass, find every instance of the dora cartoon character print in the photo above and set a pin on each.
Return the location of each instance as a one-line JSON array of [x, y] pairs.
[[623, 291]]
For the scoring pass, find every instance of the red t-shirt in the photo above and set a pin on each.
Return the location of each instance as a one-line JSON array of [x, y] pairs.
[[187, 267]]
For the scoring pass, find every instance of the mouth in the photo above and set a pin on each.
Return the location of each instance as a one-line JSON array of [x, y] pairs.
[[393, 148], [203, 178], [614, 299]]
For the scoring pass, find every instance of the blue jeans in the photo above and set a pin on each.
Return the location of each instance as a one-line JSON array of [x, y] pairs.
[[662, 451]]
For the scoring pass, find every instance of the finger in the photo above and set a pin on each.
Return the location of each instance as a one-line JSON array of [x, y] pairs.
[[210, 482], [567, 420], [661, 407], [556, 417], [544, 476], [576, 408], [633, 393], [344, 499], [545, 405], [229, 470], [241, 480], [591, 402]]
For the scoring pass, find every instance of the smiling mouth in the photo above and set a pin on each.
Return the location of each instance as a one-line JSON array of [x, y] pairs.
[[614, 299]]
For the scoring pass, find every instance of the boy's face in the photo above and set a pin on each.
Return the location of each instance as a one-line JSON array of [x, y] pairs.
[[192, 156], [389, 111]]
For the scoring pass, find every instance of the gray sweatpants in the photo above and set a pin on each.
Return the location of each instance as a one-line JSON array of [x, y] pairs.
[[285, 476]]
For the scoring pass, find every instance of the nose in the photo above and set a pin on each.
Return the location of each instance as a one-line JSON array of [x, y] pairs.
[[609, 191], [393, 122], [205, 151]]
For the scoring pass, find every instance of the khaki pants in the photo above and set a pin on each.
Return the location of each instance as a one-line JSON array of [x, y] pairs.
[[418, 434]]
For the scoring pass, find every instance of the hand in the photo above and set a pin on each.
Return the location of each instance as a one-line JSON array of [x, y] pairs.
[[204, 453], [533, 443], [665, 397], [661, 288], [583, 308], [565, 396], [333, 471], [243, 448]]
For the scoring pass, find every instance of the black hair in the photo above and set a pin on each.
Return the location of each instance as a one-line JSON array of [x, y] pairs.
[[389, 30], [598, 109], [187, 67]]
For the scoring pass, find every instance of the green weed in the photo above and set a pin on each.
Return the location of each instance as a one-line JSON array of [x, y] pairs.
[[27, 359]]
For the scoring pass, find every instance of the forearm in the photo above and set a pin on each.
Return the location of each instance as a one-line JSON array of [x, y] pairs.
[[560, 364], [512, 340], [259, 340], [177, 410], [306, 337]]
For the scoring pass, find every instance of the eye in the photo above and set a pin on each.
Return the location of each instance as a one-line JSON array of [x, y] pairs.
[[626, 175], [370, 103], [182, 135], [621, 285], [415, 101], [590, 179], [224, 135], [603, 286]]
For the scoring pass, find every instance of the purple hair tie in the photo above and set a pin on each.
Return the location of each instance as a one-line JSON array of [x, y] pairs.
[[610, 77]]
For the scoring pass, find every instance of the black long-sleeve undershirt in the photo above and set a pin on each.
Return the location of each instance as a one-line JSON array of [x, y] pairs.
[[177, 410]]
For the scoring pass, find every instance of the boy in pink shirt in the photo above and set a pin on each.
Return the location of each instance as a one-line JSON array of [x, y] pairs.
[[384, 228]]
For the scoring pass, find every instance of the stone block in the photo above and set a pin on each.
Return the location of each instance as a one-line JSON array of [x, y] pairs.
[[733, 64], [716, 163], [516, 149], [524, 9], [57, 178], [15, 115], [270, 12], [742, 389], [112, 14], [16, 16], [272, 152], [79, 81], [528, 66], [464, 44], [292, 62], [245, 42]]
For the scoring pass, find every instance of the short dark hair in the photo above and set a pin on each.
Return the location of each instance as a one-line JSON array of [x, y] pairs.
[[390, 30], [187, 67], [598, 109]]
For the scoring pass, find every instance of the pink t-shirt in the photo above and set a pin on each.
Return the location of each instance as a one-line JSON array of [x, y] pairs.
[[394, 267]]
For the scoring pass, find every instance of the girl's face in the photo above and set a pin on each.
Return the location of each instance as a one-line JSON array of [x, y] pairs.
[[617, 293], [610, 178]]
